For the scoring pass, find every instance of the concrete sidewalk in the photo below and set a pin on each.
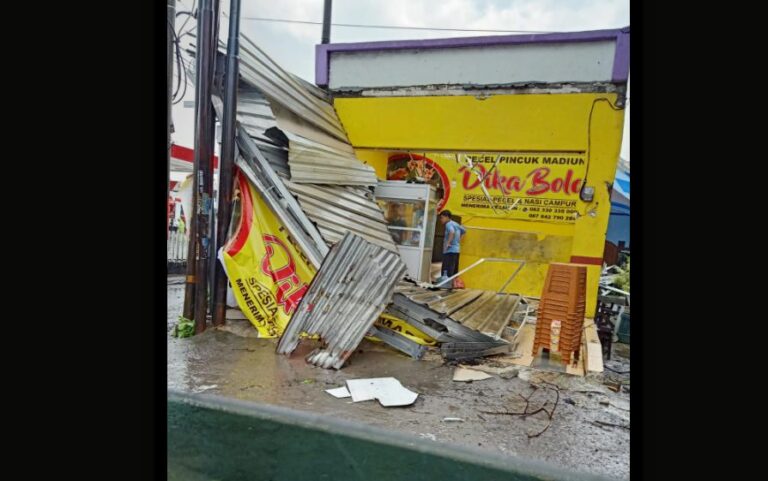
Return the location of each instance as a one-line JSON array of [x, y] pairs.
[[589, 429]]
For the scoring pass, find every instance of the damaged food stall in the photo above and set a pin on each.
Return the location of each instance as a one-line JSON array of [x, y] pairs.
[[337, 193], [520, 135]]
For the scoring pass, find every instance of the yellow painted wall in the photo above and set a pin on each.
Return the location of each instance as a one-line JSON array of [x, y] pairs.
[[378, 127], [376, 159]]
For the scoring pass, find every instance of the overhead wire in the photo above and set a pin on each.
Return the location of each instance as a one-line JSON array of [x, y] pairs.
[[396, 27]]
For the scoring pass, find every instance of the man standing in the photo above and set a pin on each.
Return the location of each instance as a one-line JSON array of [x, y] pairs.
[[453, 234]]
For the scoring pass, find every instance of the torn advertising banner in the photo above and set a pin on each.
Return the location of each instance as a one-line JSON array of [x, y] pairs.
[[269, 274], [404, 329], [538, 186]]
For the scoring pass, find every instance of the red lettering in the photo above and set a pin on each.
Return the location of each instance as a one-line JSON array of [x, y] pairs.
[[540, 181], [567, 182], [470, 181], [540, 184], [285, 277], [266, 266], [290, 301], [576, 185]]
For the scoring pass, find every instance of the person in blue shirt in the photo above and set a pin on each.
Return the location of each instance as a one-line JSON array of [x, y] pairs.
[[453, 235]]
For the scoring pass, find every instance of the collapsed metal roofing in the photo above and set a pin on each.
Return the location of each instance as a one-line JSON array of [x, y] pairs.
[[296, 129], [483, 311], [349, 292], [315, 163], [258, 170], [337, 210], [255, 116], [334, 209], [259, 70], [332, 186], [486, 312]]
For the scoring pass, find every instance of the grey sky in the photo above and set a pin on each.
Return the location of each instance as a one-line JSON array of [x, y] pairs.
[[293, 45]]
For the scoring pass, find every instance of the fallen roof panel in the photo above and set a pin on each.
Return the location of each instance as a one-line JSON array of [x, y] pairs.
[[338, 209], [349, 292]]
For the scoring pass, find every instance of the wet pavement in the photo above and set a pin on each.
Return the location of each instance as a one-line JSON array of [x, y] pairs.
[[589, 430]]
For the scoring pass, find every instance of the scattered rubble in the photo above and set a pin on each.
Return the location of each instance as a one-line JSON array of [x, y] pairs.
[[462, 374]]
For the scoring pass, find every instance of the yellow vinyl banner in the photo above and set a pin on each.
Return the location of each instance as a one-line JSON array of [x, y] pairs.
[[404, 329], [268, 273]]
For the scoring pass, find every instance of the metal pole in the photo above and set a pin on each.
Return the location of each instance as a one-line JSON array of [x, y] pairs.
[[511, 277], [211, 266], [327, 21], [171, 14], [477, 263], [212, 224], [212, 132], [203, 154], [189, 288], [191, 280], [227, 159]]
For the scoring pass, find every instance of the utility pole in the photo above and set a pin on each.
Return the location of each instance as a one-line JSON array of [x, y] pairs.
[[203, 160], [171, 14], [327, 21], [227, 159], [212, 232], [190, 281]]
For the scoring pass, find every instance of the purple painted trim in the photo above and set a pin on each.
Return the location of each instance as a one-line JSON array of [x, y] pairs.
[[323, 51], [322, 68], [621, 57]]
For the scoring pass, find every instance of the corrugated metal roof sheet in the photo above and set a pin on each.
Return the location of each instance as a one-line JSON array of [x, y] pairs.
[[258, 69], [349, 292], [490, 313], [306, 135], [258, 170], [315, 163], [337, 210], [324, 160], [319, 150], [486, 312], [256, 117]]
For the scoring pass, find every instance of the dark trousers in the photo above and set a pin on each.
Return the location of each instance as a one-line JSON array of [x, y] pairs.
[[450, 264]]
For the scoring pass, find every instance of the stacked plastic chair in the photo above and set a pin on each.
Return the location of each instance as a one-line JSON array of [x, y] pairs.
[[563, 301]]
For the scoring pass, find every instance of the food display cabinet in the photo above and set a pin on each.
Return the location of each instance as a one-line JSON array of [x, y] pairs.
[[410, 210]]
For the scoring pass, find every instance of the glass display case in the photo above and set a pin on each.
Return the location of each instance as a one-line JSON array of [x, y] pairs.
[[410, 213]]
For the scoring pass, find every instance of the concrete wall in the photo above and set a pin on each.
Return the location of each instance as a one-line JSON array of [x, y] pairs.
[[586, 125], [485, 65]]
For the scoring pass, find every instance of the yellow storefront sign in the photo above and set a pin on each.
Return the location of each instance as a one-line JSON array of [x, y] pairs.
[[536, 186]]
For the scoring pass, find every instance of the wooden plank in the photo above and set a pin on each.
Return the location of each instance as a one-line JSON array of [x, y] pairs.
[[594, 354], [578, 369]]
